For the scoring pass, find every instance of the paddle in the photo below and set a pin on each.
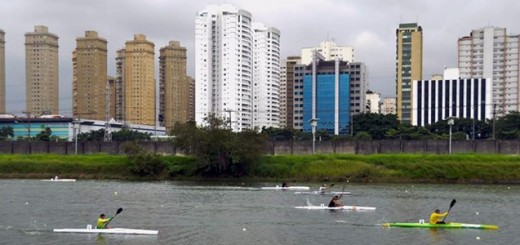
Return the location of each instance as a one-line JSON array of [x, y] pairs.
[[119, 210], [341, 195], [451, 206]]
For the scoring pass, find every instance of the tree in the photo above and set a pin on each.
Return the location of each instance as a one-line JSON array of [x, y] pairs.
[[508, 126], [45, 134], [218, 150], [6, 132], [375, 124]]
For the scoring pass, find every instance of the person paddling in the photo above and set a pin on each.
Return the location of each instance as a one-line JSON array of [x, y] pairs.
[[323, 189], [284, 185], [103, 222], [437, 217], [335, 202]]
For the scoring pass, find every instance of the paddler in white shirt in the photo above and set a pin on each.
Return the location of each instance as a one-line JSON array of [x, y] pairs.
[[323, 189]]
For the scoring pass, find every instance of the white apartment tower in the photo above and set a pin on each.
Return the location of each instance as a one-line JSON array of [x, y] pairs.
[[330, 51], [2, 71], [490, 53], [266, 76], [227, 69]]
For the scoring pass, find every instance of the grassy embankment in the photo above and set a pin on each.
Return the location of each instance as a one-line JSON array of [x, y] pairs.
[[457, 168]]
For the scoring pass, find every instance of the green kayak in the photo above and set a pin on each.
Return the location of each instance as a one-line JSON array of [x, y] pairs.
[[447, 225]]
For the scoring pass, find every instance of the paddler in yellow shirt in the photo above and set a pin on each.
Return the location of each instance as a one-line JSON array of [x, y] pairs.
[[437, 217], [102, 222]]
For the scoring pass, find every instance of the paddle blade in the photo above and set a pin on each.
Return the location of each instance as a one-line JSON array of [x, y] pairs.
[[119, 210], [453, 203]]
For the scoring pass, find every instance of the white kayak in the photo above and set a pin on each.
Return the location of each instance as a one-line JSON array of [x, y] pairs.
[[110, 231], [323, 207], [330, 193], [59, 180], [287, 188]]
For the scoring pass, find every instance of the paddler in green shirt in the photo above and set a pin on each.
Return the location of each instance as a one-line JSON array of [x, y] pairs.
[[102, 222], [436, 217]]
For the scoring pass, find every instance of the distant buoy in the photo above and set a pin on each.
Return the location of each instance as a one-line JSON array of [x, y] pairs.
[[115, 193], [476, 213]]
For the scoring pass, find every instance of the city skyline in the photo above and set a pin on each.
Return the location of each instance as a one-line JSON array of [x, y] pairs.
[[311, 22]]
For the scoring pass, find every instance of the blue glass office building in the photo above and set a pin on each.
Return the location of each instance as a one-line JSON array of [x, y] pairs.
[[331, 100]]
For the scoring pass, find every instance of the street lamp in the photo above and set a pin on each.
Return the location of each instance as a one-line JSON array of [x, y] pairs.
[[314, 124], [451, 121]]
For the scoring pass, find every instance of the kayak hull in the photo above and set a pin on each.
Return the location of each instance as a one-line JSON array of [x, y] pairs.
[[110, 231], [59, 180], [286, 188], [323, 207], [452, 225], [330, 193]]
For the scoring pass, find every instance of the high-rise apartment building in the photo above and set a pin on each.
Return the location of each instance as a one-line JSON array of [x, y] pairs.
[[139, 81], [112, 92], [408, 67], [174, 86], [2, 72], [226, 60], [330, 51], [191, 99], [41, 72], [492, 54], [119, 86], [287, 91], [89, 83], [266, 76]]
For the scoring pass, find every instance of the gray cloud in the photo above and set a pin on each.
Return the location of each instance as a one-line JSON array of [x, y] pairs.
[[367, 25]]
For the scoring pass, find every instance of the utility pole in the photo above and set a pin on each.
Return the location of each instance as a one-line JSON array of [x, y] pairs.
[[107, 137], [28, 115], [494, 119]]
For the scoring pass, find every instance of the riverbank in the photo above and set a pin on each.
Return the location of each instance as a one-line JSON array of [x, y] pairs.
[[377, 168]]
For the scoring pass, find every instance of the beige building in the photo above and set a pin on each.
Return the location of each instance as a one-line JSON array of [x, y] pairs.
[[388, 106], [408, 67], [112, 82], [89, 84], [174, 87], [287, 91], [191, 100], [2, 72], [41, 72], [139, 81]]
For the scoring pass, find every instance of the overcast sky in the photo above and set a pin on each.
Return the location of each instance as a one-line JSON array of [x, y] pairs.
[[366, 25]]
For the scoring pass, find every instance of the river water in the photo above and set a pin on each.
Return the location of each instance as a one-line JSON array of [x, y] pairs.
[[241, 213]]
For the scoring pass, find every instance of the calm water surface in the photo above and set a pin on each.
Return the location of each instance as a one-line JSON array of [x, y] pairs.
[[241, 213]]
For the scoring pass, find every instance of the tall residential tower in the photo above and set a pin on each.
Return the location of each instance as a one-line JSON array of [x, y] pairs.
[[2, 72], [139, 81], [492, 54], [174, 87], [236, 66], [89, 84], [408, 66], [41, 72]]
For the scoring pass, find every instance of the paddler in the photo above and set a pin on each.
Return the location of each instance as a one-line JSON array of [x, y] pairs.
[[323, 189], [102, 222], [335, 202], [437, 217]]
